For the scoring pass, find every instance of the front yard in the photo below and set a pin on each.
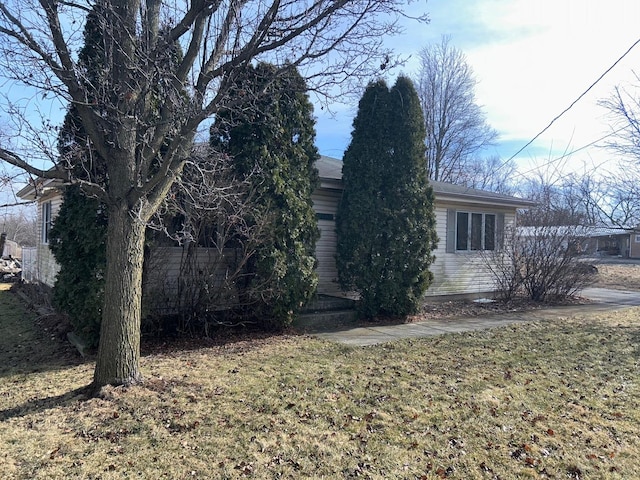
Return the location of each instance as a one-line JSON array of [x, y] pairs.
[[547, 400], [619, 276]]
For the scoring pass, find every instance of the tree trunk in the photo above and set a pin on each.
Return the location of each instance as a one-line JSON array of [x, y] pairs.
[[119, 350]]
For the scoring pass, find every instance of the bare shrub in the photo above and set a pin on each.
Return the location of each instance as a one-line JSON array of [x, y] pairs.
[[198, 278], [504, 265], [542, 262], [550, 262]]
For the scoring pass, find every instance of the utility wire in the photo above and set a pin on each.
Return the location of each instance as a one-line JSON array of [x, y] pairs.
[[574, 102], [568, 154]]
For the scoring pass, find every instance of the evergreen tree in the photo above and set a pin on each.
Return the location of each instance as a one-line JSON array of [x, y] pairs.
[[359, 212], [78, 239], [78, 235], [385, 221], [271, 139]]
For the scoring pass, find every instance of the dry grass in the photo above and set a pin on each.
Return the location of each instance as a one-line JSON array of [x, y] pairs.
[[622, 277], [541, 400]]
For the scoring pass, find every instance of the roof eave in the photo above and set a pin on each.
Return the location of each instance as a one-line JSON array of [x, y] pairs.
[[482, 200], [330, 183], [29, 192]]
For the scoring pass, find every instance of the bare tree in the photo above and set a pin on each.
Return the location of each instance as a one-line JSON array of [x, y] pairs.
[[144, 144], [586, 199], [206, 214], [567, 200], [622, 204], [456, 126], [21, 226], [490, 173], [624, 110], [616, 198]]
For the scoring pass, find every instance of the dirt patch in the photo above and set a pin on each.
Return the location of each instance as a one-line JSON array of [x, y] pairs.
[[614, 276], [470, 308]]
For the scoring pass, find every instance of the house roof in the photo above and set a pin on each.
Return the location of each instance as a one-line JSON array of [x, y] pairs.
[[330, 174], [609, 231], [330, 171], [45, 185], [329, 168], [580, 231]]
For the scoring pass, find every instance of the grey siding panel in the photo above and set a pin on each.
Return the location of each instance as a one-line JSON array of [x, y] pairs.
[[173, 282], [325, 201], [167, 264], [325, 255]]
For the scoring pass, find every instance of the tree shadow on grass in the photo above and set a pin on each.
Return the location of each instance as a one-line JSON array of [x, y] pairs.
[[635, 341], [21, 360], [30, 342], [37, 405]]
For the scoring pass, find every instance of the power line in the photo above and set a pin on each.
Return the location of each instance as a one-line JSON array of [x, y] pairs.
[[575, 101], [565, 155]]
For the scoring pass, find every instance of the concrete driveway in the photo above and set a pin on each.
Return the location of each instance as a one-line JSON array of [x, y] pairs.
[[604, 300]]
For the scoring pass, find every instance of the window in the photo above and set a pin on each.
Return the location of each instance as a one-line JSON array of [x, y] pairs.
[[475, 231], [46, 221], [462, 231], [637, 238]]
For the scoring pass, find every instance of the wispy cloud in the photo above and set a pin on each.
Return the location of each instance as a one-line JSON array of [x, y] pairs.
[[531, 60]]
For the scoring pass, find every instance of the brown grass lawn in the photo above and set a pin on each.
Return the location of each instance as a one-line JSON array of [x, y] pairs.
[[624, 277], [543, 400]]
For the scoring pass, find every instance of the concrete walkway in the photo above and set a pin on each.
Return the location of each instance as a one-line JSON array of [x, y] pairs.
[[604, 300]]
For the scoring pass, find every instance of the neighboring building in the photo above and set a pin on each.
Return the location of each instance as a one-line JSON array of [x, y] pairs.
[[467, 221], [620, 241], [634, 244], [42, 266], [11, 250], [597, 241]]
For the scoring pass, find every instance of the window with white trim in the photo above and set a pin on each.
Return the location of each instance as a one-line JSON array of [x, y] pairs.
[[475, 231], [637, 238], [46, 221]]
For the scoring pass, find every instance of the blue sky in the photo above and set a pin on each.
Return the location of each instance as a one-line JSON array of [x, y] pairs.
[[532, 59]]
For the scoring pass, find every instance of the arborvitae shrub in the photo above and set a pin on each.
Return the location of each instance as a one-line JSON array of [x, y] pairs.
[[385, 221], [270, 134]]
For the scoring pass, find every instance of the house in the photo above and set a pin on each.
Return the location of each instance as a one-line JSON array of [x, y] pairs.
[[608, 240], [467, 221], [598, 241]]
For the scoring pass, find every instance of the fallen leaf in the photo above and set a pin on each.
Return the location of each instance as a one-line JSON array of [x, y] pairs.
[[53, 454]]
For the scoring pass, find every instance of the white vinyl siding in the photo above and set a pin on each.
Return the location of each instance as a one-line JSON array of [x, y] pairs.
[[459, 272], [46, 267]]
